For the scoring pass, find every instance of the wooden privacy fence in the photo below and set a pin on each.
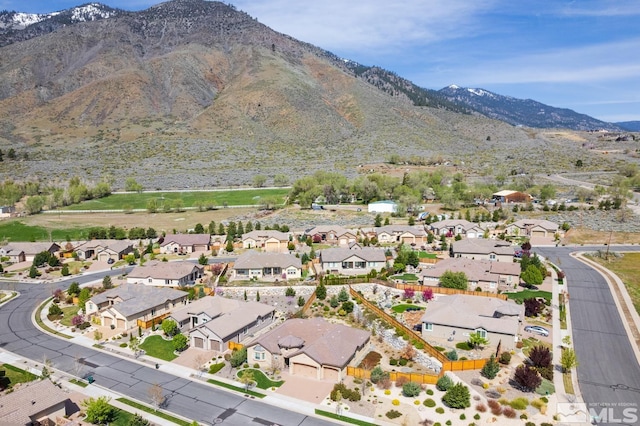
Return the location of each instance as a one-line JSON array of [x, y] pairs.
[[307, 305], [445, 290], [155, 321], [423, 379], [447, 365]]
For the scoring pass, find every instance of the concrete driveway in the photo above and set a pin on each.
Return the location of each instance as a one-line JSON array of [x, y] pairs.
[[309, 390]]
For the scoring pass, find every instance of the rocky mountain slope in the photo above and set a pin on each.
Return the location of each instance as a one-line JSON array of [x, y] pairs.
[[192, 93]]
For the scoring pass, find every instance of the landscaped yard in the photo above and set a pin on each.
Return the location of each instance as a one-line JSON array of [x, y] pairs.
[[68, 313], [406, 306], [627, 268], [405, 277], [425, 255], [14, 375], [529, 294], [157, 347], [262, 381], [530, 342]]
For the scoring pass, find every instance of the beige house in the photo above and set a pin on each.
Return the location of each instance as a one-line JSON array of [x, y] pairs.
[[313, 348], [534, 228], [344, 261], [123, 306], [165, 274], [26, 252], [392, 234], [218, 321], [103, 250], [489, 276], [332, 234], [454, 318], [266, 266], [483, 249], [185, 243], [268, 240], [453, 227], [40, 402]]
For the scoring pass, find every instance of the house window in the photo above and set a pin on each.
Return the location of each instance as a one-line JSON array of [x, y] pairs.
[[492, 256], [153, 311], [150, 280], [482, 332], [258, 356], [427, 326], [492, 284]]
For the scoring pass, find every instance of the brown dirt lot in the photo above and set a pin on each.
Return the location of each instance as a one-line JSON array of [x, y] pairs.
[[589, 236]]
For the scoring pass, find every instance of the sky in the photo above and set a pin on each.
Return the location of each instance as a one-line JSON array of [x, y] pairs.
[[580, 54]]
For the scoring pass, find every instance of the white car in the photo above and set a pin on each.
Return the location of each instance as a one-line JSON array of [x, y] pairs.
[[536, 329]]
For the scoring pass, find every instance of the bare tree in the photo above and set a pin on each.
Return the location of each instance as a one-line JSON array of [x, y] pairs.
[[156, 394], [78, 365]]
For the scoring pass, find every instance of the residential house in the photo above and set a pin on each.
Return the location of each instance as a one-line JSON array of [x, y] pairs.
[[478, 248], [533, 228], [124, 305], [103, 250], [7, 211], [489, 276], [313, 348], [185, 243], [384, 206], [508, 196], [267, 240], [214, 321], [343, 261], [26, 252], [455, 317], [40, 402], [165, 274], [332, 234], [412, 235], [453, 227], [266, 266]]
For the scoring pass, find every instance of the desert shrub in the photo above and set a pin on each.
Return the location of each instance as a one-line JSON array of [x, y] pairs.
[[402, 362], [429, 403], [393, 361], [124, 345], [452, 355], [393, 414], [444, 383], [481, 408], [385, 383], [440, 410], [463, 417], [411, 389], [84, 325], [527, 378], [214, 368], [476, 416], [457, 396], [509, 413], [490, 368], [377, 374], [387, 392], [529, 424], [395, 402], [505, 358], [401, 381], [54, 310], [544, 399], [496, 408], [519, 403], [350, 394], [429, 391]]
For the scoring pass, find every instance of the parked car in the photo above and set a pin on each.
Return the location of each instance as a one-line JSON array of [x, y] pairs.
[[536, 329], [418, 327], [110, 261]]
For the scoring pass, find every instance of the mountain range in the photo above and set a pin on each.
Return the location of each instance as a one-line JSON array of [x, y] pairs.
[[138, 92]]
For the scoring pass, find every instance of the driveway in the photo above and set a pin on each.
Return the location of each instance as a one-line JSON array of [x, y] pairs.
[[309, 390]]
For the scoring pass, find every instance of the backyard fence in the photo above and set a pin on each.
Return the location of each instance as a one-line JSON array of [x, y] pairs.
[[235, 346], [445, 290], [423, 379], [150, 323]]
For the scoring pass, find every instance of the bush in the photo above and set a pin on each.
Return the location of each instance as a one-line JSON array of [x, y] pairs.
[[546, 372], [84, 325], [490, 368], [540, 356], [509, 413], [496, 408], [444, 383], [481, 408], [351, 395], [452, 355], [395, 402], [465, 346], [214, 368], [527, 377], [411, 389], [55, 310], [519, 403], [377, 374], [440, 410], [463, 417], [401, 381], [393, 414], [458, 396], [180, 342], [429, 403], [505, 358], [238, 357], [530, 424], [429, 391], [402, 362], [476, 416]]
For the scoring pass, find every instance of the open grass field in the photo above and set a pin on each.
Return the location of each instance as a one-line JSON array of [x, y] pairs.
[[157, 347], [135, 200], [627, 268]]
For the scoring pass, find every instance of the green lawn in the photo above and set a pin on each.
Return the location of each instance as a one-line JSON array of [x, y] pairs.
[[546, 388], [121, 418], [342, 418], [425, 255], [189, 199], [157, 347], [160, 414], [262, 381], [14, 375], [235, 388], [68, 313], [403, 307], [528, 294], [405, 277], [530, 342], [16, 230]]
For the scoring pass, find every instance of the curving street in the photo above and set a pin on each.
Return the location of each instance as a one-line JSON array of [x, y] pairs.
[[609, 372], [189, 399]]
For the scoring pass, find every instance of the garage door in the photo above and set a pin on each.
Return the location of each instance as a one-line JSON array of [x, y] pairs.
[[107, 321], [103, 257], [408, 240], [331, 374], [537, 234], [198, 342], [121, 323], [215, 345], [304, 370], [273, 246]]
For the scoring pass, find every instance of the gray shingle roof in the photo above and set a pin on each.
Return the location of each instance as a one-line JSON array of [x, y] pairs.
[[473, 312], [137, 298], [212, 306], [36, 397], [164, 270], [254, 260], [367, 254], [231, 322], [401, 229], [187, 239], [324, 342], [483, 246], [265, 234], [30, 248]]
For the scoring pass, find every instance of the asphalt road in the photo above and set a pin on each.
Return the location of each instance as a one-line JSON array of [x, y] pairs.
[[189, 399], [608, 371]]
